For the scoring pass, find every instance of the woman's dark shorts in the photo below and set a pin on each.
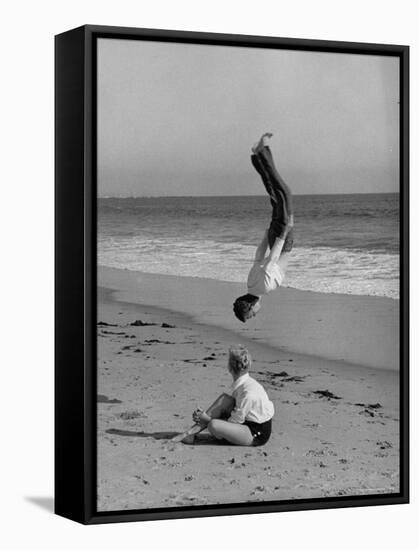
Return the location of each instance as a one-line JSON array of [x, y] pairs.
[[261, 432]]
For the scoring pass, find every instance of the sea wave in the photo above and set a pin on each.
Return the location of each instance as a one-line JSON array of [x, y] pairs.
[[319, 269]]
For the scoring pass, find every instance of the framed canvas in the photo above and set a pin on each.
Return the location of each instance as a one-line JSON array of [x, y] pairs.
[[231, 274]]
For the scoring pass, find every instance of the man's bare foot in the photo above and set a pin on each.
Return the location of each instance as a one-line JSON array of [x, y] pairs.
[[265, 138], [263, 142]]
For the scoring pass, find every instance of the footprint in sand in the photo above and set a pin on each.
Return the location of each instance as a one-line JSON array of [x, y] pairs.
[[131, 415], [384, 445], [257, 490], [140, 478]]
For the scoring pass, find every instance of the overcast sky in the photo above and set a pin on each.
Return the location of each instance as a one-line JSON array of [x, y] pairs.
[[179, 119]]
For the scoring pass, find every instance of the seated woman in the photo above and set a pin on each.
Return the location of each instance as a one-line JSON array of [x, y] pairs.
[[242, 418], [268, 273]]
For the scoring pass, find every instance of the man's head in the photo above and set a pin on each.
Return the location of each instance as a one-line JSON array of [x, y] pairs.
[[246, 307], [239, 361]]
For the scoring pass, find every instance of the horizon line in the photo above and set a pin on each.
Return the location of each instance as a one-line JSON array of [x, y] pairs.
[[239, 196]]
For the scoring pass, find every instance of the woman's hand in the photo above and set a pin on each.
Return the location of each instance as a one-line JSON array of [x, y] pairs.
[[200, 417], [196, 415]]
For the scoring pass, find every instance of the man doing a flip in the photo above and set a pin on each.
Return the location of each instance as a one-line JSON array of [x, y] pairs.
[[267, 273]]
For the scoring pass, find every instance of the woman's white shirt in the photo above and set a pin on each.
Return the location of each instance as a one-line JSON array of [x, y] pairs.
[[252, 401]]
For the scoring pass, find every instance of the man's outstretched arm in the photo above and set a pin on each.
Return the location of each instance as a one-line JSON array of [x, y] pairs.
[[278, 245], [262, 247], [276, 251]]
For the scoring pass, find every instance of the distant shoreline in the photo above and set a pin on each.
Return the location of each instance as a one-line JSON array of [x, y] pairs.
[[284, 285], [357, 330]]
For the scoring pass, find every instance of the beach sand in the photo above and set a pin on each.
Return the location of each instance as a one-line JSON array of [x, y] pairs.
[[152, 374]]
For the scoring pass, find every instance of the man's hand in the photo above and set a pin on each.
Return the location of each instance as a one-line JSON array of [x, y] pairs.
[[269, 265]]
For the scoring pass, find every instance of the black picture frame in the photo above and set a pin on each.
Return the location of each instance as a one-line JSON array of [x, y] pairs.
[[75, 272]]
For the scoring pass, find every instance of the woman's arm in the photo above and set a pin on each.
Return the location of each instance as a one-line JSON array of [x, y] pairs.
[[243, 406]]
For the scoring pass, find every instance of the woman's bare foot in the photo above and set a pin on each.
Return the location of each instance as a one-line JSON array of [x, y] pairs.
[[196, 428], [263, 142], [189, 439]]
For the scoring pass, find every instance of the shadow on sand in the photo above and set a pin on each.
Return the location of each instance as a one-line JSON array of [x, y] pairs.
[[201, 439], [154, 435]]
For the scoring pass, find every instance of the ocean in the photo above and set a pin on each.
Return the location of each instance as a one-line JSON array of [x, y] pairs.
[[345, 244]]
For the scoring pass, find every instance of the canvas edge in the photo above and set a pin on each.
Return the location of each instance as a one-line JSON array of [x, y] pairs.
[[69, 475]]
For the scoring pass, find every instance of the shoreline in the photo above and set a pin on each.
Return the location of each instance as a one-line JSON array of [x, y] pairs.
[[360, 330], [111, 296]]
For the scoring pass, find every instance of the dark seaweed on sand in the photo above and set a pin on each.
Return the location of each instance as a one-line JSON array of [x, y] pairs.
[[273, 374], [369, 406], [156, 341], [105, 399], [296, 379], [326, 393], [139, 323]]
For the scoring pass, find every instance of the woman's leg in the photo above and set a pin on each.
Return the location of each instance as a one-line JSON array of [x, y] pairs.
[[221, 408], [238, 434]]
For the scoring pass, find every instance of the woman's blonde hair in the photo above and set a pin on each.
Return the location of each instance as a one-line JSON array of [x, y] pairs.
[[239, 359]]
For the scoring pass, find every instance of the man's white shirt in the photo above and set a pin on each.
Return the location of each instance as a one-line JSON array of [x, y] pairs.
[[262, 279]]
